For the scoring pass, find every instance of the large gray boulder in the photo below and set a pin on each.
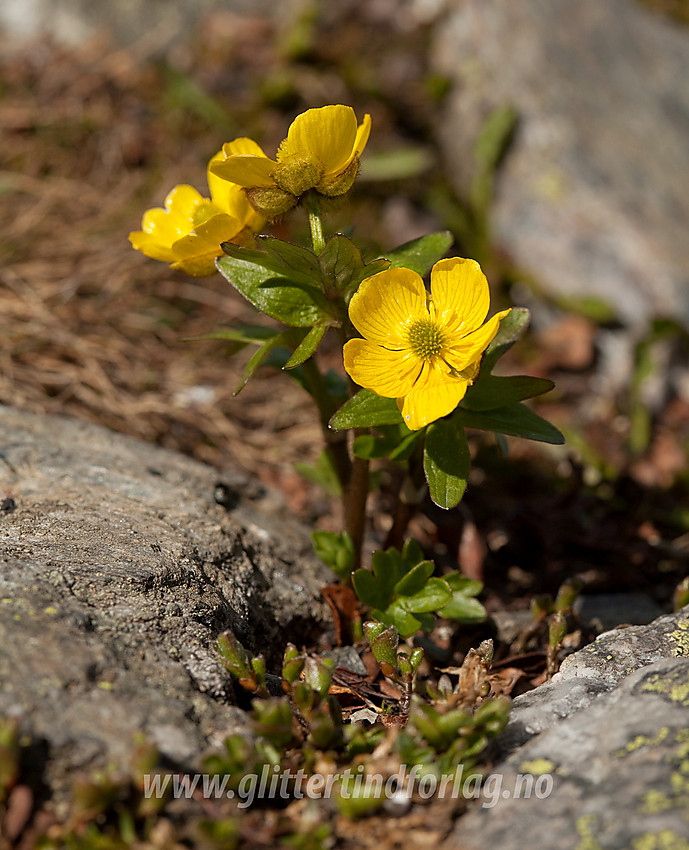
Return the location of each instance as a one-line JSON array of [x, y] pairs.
[[597, 758], [591, 199], [118, 569]]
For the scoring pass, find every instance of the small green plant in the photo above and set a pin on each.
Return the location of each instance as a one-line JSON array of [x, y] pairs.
[[403, 591]]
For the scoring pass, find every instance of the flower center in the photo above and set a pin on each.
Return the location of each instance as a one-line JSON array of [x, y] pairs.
[[425, 338]]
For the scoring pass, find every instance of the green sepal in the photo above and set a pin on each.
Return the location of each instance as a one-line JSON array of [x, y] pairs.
[[295, 303], [323, 473], [515, 420], [293, 262], [446, 462], [296, 262], [342, 265], [366, 409], [307, 346], [421, 254], [489, 392]]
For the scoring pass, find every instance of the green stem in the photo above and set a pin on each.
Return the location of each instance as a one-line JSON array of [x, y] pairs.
[[313, 208]]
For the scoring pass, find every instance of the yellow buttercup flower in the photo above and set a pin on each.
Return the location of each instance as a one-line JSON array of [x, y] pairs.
[[424, 350], [321, 152], [188, 231]]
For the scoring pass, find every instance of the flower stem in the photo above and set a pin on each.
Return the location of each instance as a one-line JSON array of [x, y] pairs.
[[313, 208], [355, 495]]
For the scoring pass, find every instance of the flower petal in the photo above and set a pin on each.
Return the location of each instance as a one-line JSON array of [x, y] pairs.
[[388, 373], [232, 199], [362, 134], [459, 291], [469, 348], [196, 253], [386, 303], [151, 245], [247, 170], [325, 136], [435, 394], [160, 228]]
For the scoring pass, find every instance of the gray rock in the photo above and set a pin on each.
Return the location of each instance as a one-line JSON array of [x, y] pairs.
[[612, 775], [118, 569], [596, 758], [591, 199], [152, 26]]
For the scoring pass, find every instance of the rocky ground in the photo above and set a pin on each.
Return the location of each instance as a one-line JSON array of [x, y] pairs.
[[551, 142]]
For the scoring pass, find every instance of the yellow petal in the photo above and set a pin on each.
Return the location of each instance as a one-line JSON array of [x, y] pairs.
[[325, 136], [230, 197], [386, 303], [388, 373], [460, 295], [434, 395], [151, 245], [469, 348], [224, 193], [362, 135], [247, 170], [160, 228], [196, 252]]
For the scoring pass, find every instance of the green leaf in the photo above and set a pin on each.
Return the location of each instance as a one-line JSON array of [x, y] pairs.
[[511, 328], [323, 473], [296, 304], [421, 254], [516, 420], [596, 309], [464, 608], [412, 554], [490, 147], [341, 263], [492, 391], [394, 440], [415, 580], [244, 334], [405, 448], [397, 164], [467, 586], [369, 590], [404, 621], [335, 550], [446, 462], [368, 447], [288, 338], [366, 409], [434, 595], [307, 346]]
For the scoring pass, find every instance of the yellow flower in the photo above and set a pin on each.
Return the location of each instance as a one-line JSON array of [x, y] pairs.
[[188, 231], [424, 350], [321, 152]]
